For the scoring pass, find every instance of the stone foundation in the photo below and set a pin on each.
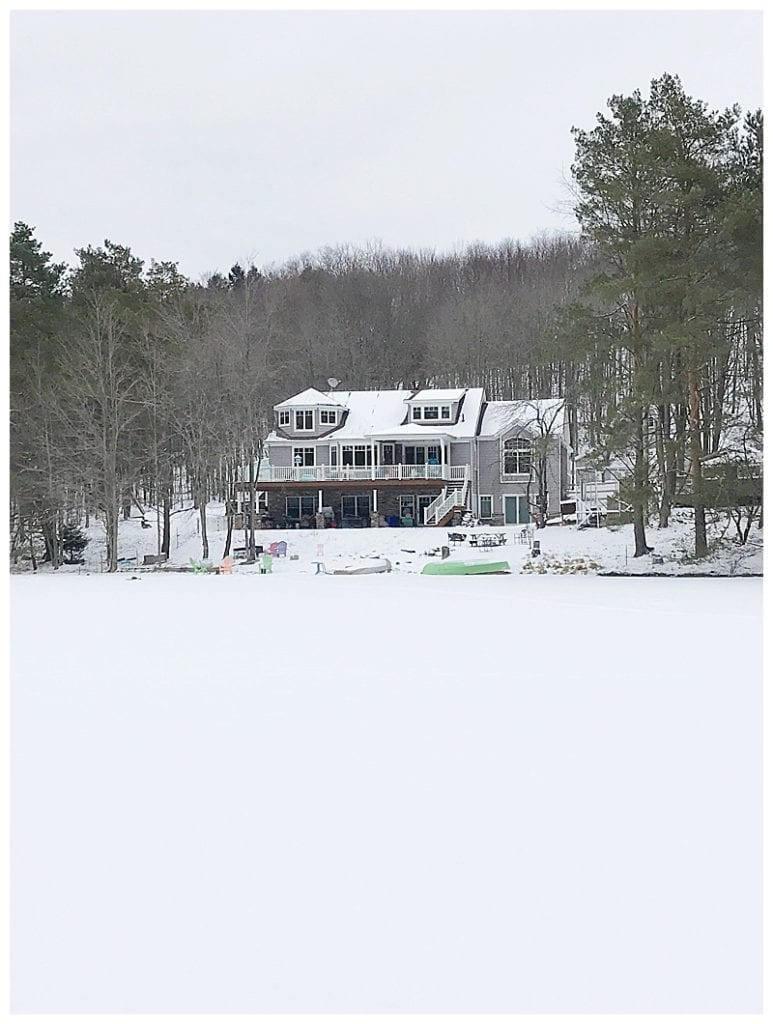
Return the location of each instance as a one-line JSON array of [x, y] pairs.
[[388, 500]]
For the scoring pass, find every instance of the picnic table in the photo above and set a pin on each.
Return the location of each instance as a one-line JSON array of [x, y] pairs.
[[487, 540]]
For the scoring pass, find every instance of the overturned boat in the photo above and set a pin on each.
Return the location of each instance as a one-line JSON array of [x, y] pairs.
[[466, 569], [364, 570]]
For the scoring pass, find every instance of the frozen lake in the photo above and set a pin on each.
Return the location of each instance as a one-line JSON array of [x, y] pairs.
[[386, 794]]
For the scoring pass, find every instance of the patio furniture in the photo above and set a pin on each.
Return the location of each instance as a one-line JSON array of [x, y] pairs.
[[266, 563], [457, 538]]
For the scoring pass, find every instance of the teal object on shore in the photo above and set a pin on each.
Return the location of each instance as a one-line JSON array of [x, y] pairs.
[[465, 568]]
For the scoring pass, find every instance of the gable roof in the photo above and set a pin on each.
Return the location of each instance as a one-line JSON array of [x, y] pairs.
[[527, 414], [439, 395], [308, 397]]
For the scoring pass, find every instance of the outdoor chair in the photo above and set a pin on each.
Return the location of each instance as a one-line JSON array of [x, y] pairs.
[[266, 563]]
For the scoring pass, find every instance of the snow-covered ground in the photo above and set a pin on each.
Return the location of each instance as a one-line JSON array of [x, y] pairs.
[[564, 547], [394, 793]]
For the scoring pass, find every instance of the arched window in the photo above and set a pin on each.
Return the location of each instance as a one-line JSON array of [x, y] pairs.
[[516, 457]]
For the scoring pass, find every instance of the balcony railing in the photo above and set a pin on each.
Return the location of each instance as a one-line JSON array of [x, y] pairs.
[[320, 474]]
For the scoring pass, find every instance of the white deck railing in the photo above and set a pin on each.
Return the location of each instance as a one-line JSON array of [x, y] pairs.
[[444, 502], [318, 474]]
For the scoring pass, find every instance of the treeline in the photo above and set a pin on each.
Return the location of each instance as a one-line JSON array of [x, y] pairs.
[[127, 379]]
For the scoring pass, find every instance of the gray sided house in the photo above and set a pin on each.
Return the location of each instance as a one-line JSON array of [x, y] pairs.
[[392, 458]]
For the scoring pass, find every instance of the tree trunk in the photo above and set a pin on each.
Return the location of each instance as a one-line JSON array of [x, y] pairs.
[[166, 537], [252, 510], [203, 518], [230, 497], [32, 550], [640, 490], [696, 471], [111, 528]]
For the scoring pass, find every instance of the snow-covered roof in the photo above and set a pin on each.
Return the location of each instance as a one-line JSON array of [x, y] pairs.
[[371, 412], [310, 397], [529, 414], [383, 414], [439, 395]]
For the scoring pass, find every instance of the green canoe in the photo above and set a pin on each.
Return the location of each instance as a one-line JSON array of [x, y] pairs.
[[465, 568]]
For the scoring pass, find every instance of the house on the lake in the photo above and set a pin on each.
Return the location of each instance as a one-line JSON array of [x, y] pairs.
[[361, 458]]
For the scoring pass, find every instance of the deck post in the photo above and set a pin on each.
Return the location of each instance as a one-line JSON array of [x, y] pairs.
[[319, 500]]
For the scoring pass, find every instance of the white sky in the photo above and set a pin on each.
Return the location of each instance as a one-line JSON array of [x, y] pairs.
[[209, 137]]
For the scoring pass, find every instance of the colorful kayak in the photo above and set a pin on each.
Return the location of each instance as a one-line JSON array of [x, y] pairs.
[[465, 568]]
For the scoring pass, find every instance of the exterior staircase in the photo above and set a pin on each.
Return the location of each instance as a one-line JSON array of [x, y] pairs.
[[441, 511]]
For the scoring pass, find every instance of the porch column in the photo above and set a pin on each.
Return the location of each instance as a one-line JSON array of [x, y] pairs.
[[319, 500], [373, 460], [375, 500]]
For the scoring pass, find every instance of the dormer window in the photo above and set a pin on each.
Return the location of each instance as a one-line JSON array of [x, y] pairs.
[[284, 418], [430, 413], [304, 419], [327, 416]]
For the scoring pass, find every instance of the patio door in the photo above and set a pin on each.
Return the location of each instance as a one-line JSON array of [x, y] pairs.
[[516, 509], [421, 503]]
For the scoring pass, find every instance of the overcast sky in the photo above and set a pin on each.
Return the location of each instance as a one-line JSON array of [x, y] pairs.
[[208, 137]]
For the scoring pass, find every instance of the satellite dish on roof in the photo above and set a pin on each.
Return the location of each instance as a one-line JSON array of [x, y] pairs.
[[333, 382]]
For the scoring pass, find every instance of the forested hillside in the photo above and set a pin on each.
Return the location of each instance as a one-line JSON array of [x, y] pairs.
[[127, 379]]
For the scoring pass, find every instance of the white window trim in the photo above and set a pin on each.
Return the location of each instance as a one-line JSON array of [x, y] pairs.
[[303, 448], [304, 430], [518, 497], [329, 422], [509, 477], [490, 498], [285, 422], [445, 412]]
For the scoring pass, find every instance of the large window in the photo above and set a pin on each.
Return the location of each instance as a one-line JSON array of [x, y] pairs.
[[284, 418], [303, 456], [300, 505], [415, 455], [327, 416], [356, 455], [304, 419], [516, 457], [355, 506], [431, 412]]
